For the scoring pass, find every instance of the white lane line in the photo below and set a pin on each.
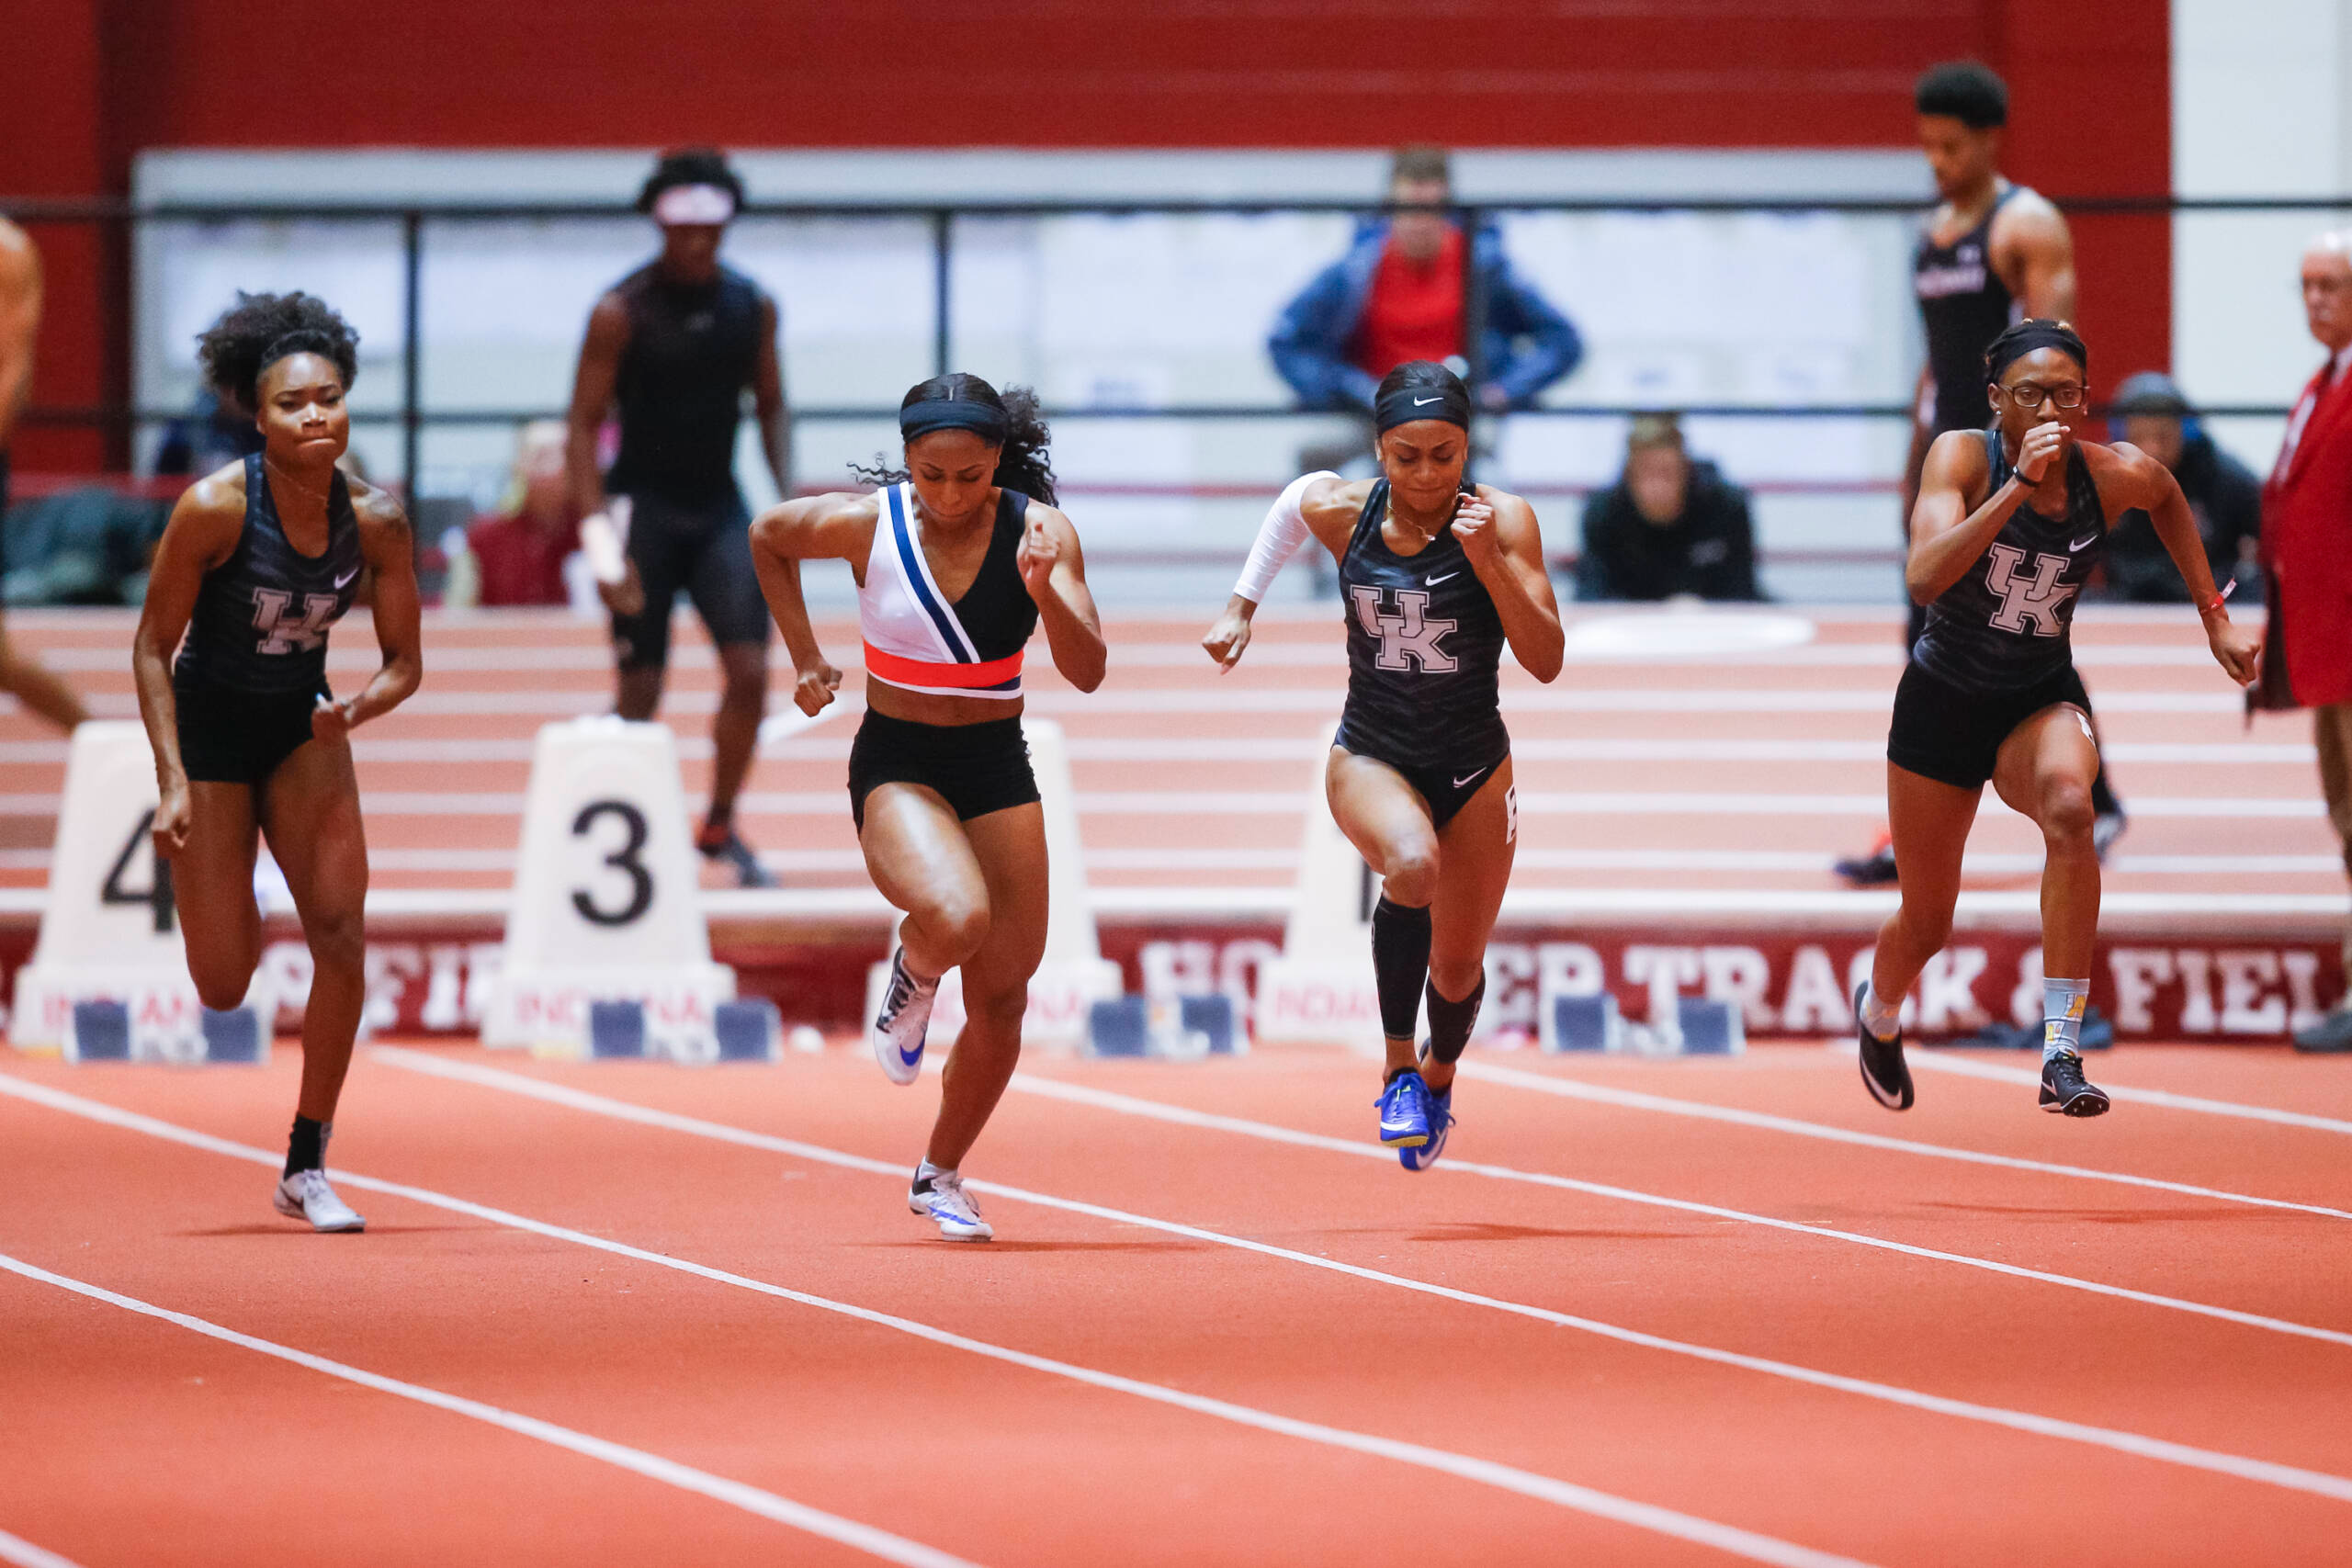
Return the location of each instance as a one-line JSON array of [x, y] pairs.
[[1130, 1105], [2017, 1420], [1963, 1068], [25, 1554], [686, 1478], [1507, 1478], [1632, 1099]]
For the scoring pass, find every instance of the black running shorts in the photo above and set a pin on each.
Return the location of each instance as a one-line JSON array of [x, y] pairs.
[[974, 768], [1444, 787], [704, 552], [234, 737], [1954, 736]]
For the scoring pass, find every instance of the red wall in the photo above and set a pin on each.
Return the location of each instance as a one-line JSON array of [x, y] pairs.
[[2089, 80]]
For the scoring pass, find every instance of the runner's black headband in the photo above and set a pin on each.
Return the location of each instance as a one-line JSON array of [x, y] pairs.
[[2027, 336], [1403, 405], [953, 413]]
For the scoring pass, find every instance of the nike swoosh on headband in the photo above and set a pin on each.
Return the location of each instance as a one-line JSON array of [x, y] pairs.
[[1424, 403]]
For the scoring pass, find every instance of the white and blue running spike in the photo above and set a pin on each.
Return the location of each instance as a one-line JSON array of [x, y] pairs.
[[898, 1028], [942, 1200]]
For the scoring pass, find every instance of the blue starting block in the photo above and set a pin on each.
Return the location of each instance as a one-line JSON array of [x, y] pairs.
[[230, 1037], [101, 1032], [1710, 1028], [235, 1036], [749, 1031], [1586, 1023], [1119, 1027], [617, 1031], [1201, 1026], [1211, 1017]]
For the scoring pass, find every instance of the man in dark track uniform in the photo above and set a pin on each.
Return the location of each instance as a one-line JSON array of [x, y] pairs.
[[672, 348], [1992, 253]]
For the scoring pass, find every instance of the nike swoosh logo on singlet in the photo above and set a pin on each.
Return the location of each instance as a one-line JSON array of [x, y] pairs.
[[346, 577], [1433, 581], [2082, 542]]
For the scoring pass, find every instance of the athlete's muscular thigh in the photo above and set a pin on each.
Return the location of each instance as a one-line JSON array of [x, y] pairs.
[[919, 859], [212, 887], [1475, 853], [1384, 816], [2050, 755], [310, 812], [1009, 846]]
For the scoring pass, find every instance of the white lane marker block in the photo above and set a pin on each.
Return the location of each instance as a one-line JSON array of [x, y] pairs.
[[1322, 990], [109, 932], [607, 904], [1074, 974]]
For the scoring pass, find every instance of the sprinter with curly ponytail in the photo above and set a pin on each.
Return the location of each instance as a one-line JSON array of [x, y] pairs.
[[958, 555]]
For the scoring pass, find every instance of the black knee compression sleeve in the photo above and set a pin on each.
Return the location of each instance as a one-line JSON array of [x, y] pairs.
[[1400, 962], [1451, 1021]]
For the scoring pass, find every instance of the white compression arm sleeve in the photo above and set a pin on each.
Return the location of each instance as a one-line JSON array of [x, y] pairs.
[[1279, 538]]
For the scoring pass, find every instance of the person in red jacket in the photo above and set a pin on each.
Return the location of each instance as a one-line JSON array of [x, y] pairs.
[[520, 548], [2307, 565]]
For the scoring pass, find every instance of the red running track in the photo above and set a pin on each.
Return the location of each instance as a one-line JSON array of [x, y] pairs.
[[1733, 753], [1648, 1312]]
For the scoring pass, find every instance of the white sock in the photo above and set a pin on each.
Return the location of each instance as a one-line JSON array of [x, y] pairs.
[[2063, 1002], [936, 1175], [1884, 1021]]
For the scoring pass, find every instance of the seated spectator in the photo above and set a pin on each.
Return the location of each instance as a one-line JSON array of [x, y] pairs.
[[2225, 498], [519, 550], [1671, 527], [212, 436], [1397, 295]]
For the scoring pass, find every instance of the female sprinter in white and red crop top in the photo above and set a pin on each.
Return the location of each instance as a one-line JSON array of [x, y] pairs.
[[958, 557]]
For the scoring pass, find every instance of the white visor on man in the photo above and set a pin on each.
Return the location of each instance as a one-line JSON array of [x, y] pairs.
[[682, 205]]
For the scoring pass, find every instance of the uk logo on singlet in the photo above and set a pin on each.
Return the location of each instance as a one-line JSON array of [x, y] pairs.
[[2038, 599], [1408, 637], [279, 634]]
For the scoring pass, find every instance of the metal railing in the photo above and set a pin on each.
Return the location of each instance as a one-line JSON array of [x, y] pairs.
[[413, 417]]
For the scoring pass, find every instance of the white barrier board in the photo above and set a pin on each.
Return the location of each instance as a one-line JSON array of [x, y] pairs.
[[1322, 990], [1074, 974], [606, 903], [108, 931]]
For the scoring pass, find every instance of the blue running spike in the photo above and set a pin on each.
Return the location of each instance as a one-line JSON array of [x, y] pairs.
[[1405, 1111]]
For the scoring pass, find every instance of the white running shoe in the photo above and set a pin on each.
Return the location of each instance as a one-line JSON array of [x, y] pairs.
[[898, 1028], [946, 1204], [305, 1195]]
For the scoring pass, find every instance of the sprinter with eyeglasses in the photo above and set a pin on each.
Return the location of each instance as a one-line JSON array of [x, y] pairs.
[[2011, 524]]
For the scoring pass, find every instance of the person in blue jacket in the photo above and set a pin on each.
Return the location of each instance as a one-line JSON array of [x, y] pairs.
[[1400, 294]]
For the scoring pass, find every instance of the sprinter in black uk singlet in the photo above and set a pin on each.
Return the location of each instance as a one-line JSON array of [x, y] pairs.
[[2011, 524], [1436, 576], [259, 561], [959, 556]]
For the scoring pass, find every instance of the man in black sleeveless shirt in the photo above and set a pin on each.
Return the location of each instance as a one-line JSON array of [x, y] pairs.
[[1992, 253], [671, 349]]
